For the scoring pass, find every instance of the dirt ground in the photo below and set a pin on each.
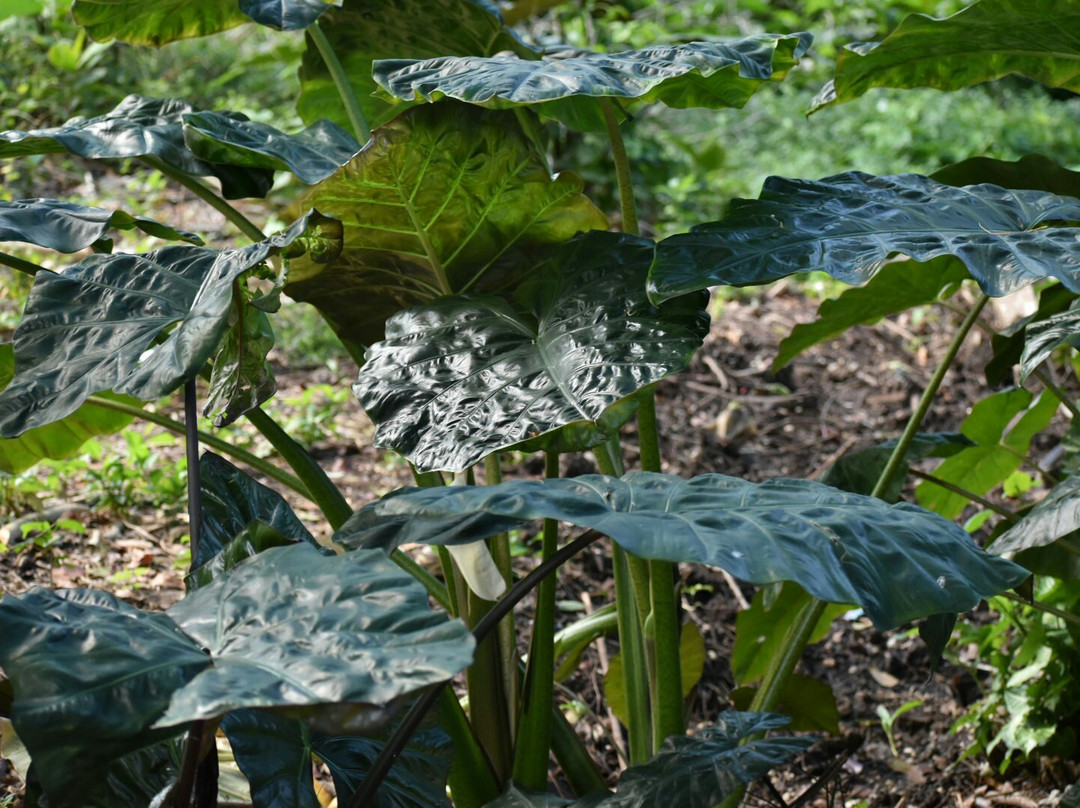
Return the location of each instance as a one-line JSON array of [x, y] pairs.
[[729, 413]]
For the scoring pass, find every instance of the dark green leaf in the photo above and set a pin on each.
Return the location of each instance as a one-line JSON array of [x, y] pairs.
[[1047, 533], [761, 630], [859, 472], [898, 562], [445, 199], [292, 627], [67, 227], [364, 30], [1046, 336], [809, 703], [138, 127], [312, 155], [997, 453], [1033, 171], [1008, 344], [156, 23], [286, 15], [517, 797], [466, 376], [988, 40], [21, 8], [253, 539], [936, 631], [91, 675], [848, 225], [86, 330], [564, 86], [896, 287], [58, 440], [242, 378]]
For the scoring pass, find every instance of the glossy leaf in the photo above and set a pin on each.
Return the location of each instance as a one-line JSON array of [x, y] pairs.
[[140, 23], [443, 200], [59, 440], [292, 627], [848, 225], [936, 631], [1055, 520], [91, 675], [138, 127], [1032, 171], [242, 378], [466, 376], [809, 703], [564, 85], [998, 451], [286, 15], [1009, 343], [312, 155], [91, 328], [275, 754], [67, 227], [1043, 337], [897, 287], [689, 772], [898, 562], [362, 31], [986, 41]]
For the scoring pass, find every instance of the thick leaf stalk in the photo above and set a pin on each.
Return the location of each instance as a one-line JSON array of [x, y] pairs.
[[622, 168], [341, 81]]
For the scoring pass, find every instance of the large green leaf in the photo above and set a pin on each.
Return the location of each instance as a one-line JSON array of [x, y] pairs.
[[67, 227], [1033, 171], [1010, 342], [312, 155], [899, 562], [91, 674], [848, 225], [988, 40], [1000, 447], [286, 15], [1046, 539], [138, 127], [275, 754], [897, 287], [58, 440], [87, 330], [156, 23], [563, 85], [1045, 336], [465, 376], [689, 772], [443, 200], [242, 378], [364, 30]]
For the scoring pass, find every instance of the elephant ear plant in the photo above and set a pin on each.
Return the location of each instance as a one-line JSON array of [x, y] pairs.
[[492, 309]]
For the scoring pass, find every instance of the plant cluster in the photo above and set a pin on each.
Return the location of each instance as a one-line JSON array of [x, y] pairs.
[[493, 308]]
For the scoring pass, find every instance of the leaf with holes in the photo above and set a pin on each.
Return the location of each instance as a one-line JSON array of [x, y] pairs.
[[850, 224], [986, 41], [138, 127], [465, 376], [443, 200], [565, 85], [831, 542], [92, 328]]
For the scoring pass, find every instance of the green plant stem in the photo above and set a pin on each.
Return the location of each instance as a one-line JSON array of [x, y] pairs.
[[177, 428], [472, 780], [323, 492], [622, 168], [579, 769], [409, 724], [489, 710], [341, 81], [538, 693], [207, 195], [1057, 392], [20, 264], [500, 552], [1068, 617], [993, 506]]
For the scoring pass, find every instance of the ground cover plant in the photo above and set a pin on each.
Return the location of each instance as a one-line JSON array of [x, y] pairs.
[[492, 309]]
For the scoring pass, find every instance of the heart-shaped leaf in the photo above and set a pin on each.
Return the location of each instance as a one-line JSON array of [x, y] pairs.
[[443, 200], [157, 23], [275, 754], [899, 286], [58, 440], [898, 562], [1045, 336], [138, 127], [286, 15], [465, 376], [1033, 171], [689, 772], [999, 449], [67, 227], [563, 86], [361, 31], [988, 40], [312, 155], [848, 225], [89, 329]]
